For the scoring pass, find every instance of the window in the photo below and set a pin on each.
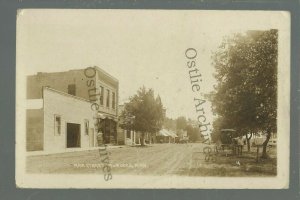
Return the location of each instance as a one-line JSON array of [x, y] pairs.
[[72, 89], [113, 100], [86, 126], [57, 125], [107, 98], [101, 95]]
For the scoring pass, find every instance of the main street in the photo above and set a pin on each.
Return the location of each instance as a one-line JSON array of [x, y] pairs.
[[155, 159]]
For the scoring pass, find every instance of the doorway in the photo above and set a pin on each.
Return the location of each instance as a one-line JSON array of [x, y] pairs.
[[73, 135]]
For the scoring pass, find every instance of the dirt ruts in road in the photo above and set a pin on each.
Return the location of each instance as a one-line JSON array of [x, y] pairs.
[[159, 159]]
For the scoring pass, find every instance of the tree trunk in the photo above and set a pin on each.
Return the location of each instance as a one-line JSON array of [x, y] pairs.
[[264, 153], [248, 141], [143, 139]]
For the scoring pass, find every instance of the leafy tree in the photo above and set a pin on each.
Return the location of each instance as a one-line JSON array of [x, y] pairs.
[[245, 96], [170, 124], [217, 126], [194, 133], [144, 113], [181, 123]]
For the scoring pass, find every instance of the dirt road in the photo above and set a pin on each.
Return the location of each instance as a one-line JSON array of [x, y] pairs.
[[156, 159]]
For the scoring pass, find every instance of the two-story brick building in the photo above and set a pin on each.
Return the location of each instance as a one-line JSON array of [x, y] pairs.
[[60, 112]]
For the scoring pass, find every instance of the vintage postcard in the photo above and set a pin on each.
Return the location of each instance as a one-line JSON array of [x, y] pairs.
[[152, 99]]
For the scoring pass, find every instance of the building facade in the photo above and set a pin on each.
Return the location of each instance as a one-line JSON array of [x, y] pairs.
[[61, 109]]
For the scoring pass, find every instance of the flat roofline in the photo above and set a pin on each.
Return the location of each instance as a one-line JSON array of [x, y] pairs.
[[65, 94], [107, 74], [96, 67]]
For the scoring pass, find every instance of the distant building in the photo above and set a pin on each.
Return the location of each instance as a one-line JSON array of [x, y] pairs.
[[60, 114], [166, 136], [182, 133]]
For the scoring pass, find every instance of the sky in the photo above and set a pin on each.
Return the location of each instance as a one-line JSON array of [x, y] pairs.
[[138, 47]]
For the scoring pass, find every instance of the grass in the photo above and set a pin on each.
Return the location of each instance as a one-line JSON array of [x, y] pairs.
[[227, 165]]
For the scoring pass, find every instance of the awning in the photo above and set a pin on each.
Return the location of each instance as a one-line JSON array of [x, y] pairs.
[[104, 116], [172, 134], [163, 132], [100, 115], [167, 133]]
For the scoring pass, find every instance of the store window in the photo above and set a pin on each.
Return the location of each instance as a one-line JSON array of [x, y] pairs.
[[57, 125]]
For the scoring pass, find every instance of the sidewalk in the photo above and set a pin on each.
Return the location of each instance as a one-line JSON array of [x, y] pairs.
[[66, 150]]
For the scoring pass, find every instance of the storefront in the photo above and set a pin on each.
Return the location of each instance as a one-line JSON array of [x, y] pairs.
[[107, 129]]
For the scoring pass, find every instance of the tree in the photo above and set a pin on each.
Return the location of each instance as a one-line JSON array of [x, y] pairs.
[[170, 124], [145, 113], [181, 123], [218, 124], [245, 96], [194, 133]]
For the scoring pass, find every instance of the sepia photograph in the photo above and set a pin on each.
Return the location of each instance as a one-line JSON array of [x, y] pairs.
[[152, 99]]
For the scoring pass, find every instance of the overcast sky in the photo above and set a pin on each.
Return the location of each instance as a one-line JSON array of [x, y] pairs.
[[138, 47]]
